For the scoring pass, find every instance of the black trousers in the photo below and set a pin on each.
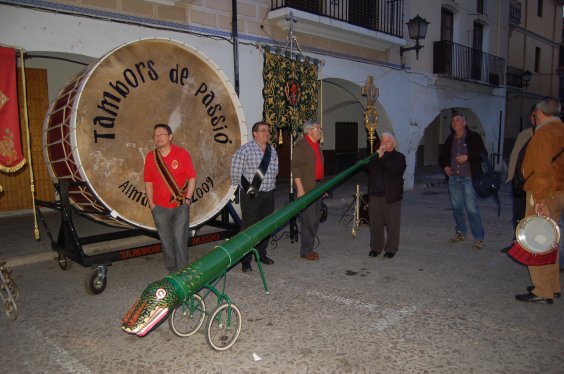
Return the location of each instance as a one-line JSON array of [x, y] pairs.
[[309, 226], [519, 205], [253, 210], [384, 218]]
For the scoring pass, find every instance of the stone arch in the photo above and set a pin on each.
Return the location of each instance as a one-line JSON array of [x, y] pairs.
[[60, 66], [339, 94], [342, 102], [436, 132]]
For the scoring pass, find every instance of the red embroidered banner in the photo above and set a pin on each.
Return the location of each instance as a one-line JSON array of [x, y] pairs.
[[11, 155]]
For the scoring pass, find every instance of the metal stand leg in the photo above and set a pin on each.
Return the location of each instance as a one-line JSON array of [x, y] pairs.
[[9, 291], [257, 256]]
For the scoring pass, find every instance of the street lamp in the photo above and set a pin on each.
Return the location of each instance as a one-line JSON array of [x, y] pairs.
[[417, 28], [526, 78]]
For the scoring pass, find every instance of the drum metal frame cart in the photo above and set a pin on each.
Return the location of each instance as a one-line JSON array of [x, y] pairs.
[[69, 245]]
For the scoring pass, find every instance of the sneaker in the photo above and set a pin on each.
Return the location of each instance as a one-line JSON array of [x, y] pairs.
[[478, 244], [458, 237]]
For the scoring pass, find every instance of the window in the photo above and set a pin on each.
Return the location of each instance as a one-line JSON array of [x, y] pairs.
[[476, 54], [477, 36], [446, 24], [539, 8], [515, 12], [537, 59], [481, 6]]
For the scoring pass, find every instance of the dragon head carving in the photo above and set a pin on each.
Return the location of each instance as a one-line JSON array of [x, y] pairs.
[[156, 301]]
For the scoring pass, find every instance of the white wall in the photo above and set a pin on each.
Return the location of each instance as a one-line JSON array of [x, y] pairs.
[[407, 102]]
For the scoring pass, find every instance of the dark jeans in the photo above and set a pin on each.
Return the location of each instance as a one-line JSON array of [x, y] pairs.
[[253, 210], [174, 232]]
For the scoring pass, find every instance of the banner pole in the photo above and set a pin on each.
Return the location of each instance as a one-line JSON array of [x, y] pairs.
[[28, 137]]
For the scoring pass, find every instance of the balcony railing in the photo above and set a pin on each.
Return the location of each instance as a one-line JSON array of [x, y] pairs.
[[378, 15], [515, 77], [455, 61], [515, 12]]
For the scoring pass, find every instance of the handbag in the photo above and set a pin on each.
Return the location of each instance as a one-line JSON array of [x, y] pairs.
[[488, 182]]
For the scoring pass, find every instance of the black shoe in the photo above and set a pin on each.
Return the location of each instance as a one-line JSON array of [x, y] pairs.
[[373, 254], [533, 298], [266, 260], [556, 294], [389, 255], [247, 268]]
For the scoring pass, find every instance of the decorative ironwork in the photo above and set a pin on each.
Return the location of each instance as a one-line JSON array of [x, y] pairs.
[[515, 77], [379, 15], [455, 61]]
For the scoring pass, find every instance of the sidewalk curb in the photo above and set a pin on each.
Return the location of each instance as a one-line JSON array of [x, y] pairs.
[[42, 256]]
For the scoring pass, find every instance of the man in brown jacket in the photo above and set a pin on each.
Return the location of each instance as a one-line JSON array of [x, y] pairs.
[[543, 170], [307, 170]]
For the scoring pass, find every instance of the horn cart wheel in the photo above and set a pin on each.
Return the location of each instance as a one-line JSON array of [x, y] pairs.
[[224, 327], [188, 317]]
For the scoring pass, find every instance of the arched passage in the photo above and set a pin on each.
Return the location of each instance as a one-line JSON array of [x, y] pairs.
[[345, 137], [435, 134]]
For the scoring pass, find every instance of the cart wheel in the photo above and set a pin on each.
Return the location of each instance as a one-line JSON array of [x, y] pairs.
[[188, 317], [97, 282], [11, 310], [224, 327], [64, 262]]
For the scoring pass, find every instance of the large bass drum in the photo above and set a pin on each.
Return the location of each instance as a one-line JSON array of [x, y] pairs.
[[99, 129]]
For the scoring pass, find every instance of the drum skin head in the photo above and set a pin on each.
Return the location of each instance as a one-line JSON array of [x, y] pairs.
[[538, 234], [114, 109]]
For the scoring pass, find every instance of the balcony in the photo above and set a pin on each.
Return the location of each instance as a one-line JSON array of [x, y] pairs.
[[455, 61], [515, 77], [375, 24]]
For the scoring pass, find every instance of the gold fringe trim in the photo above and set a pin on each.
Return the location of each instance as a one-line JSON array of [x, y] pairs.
[[13, 169]]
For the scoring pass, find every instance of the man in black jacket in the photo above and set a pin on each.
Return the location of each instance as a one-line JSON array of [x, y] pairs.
[[460, 159], [385, 187]]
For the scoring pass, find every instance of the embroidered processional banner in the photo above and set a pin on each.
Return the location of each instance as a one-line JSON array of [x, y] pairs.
[[290, 93], [11, 155]]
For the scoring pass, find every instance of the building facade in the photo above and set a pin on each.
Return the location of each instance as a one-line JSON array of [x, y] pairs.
[[461, 67], [535, 36]]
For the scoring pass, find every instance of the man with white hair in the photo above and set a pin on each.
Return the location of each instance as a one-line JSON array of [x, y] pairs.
[[543, 170], [307, 170], [385, 188]]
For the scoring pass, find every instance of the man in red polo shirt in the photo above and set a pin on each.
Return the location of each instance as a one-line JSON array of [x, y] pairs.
[[170, 181], [307, 170]]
